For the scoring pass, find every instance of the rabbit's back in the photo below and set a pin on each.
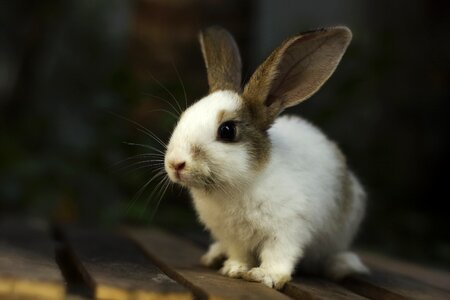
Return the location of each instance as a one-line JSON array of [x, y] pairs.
[[321, 187], [303, 155]]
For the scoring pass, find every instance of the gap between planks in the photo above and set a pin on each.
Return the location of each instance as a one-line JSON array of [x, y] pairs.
[[115, 268]]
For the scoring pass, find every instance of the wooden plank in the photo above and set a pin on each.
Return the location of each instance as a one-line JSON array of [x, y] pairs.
[[301, 287], [436, 278], [385, 285], [28, 269], [313, 288], [116, 269], [180, 258]]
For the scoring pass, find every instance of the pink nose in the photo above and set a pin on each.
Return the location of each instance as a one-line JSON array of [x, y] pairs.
[[178, 166]]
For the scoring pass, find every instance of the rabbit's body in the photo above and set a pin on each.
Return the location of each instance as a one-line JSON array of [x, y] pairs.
[[272, 191], [304, 198]]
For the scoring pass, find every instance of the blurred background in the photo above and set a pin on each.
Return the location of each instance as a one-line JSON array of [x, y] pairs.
[[78, 76]]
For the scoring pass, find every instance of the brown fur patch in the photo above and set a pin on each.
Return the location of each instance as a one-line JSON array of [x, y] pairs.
[[255, 137], [345, 199], [248, 132], [346, 202], [206, 181], [198, 152]]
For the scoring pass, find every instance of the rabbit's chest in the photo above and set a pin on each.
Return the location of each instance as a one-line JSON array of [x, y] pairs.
[[233, 219]]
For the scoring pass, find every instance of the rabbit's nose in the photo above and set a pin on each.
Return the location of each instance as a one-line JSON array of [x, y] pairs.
[[179, 166]]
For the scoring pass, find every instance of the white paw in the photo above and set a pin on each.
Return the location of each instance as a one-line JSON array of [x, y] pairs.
[[271, 279], [233, 268]]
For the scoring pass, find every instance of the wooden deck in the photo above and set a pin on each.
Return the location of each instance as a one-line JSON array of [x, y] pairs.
[[66, 262]]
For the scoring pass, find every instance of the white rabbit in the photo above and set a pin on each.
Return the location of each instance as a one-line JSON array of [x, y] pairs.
[[273, 192]]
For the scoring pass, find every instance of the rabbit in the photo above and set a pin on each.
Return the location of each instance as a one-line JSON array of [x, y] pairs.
[[274, 192]]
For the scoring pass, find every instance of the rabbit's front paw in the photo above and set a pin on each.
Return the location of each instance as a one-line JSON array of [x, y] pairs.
[[233, 268], [271, 279]]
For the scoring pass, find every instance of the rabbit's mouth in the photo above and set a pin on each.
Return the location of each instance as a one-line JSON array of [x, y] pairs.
[[192, 178], [177, 176], [181, 176]]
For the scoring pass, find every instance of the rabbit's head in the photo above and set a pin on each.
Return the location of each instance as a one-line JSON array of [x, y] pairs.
[[221, 141]]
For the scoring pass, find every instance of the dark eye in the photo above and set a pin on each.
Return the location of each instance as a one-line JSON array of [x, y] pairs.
[[227, 131]]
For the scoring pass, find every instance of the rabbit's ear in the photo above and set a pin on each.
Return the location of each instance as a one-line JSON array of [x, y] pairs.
[[222, 59], [295, 71]]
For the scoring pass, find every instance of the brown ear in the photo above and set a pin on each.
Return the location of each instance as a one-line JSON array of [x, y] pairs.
[[222, 59], [295, 71]]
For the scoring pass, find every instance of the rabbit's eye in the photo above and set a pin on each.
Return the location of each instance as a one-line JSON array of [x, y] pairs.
[[227, 131]]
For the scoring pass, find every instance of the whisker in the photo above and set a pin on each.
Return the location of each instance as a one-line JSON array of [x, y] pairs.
[[147, 159], [143, 129], [180, 189], [154, 136], [177, 110], [182, 84], [143, 187], [135, 169], [140, 165], [167, 90], [166, 111], [160, 198], [171, 187], [144, 155], [145, 146], [156, 190], [149, 162], [150, 171]]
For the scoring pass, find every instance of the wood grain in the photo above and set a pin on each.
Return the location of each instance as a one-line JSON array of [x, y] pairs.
[[180, 258], [28, 269], [385, 285], [314, 288], [116, 269], [436, 278]]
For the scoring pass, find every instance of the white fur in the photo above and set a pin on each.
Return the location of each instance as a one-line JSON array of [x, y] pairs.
[[198, 126], [267, 220]]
